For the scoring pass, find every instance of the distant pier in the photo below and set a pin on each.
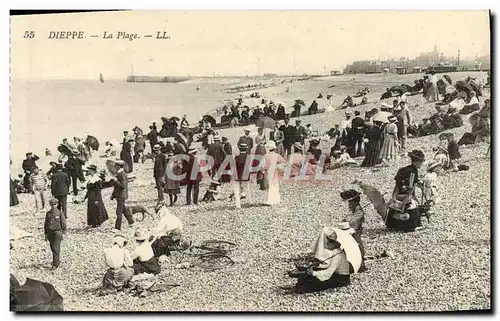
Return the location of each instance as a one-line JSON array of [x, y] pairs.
[[156, 79]]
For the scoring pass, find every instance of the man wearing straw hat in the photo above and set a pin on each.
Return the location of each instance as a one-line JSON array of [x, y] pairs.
[[246, 139], [120, 193]]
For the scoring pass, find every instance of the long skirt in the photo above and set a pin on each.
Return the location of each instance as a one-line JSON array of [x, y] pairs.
[[13, 195], [372, 153], [273, 193], [150, 266], [260, 150], [309, 283], [116, 279], [433, 93], [280, 149], [129, 163], [407, 225], [390, 148]]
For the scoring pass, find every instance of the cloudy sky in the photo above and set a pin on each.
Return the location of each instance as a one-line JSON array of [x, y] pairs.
[[237, 42]]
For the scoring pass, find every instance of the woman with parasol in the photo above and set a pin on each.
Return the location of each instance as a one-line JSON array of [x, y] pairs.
[[332, 269]]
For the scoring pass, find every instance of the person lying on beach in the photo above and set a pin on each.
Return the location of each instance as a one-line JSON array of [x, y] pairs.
[[471, 106]]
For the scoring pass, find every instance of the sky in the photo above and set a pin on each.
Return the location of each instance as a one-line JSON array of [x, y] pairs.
[[204, 43]]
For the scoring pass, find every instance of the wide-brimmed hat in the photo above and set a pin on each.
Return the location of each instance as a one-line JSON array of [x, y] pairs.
[[392, 119], [349, 194], [119, 162], [75, 152], [433, 165], [92, 167], [417, 154], [120, 239], [348, 112], [53, 201], [344, 226], [156, 147], [271, 145], [298, 146], [52, 163], [29, 153], [216, 138], [141, 234], [343, 147]]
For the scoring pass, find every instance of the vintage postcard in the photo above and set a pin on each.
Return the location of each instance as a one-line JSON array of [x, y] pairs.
[[250, 161]]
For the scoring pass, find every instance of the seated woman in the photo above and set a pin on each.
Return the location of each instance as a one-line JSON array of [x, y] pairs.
[[403, 213], [167, 233], [119, 263], [333, 270], [143, 257], [471, 106]]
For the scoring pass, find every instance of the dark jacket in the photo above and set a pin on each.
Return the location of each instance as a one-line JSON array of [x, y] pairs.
[[120, 190], [30, 164], [189, 166], [74, 166], [246, 140], [453, 150], [159, 166], [406, 178], [358, 124], [300, 134], [216, 151], [60, 183], [228, 149], [290, 134], [54, 221], [153, 137]]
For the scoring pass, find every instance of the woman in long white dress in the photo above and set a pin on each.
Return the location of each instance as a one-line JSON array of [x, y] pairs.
[[273, 167], [390, 147]]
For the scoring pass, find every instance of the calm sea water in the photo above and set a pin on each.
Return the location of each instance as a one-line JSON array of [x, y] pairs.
[[44, 112]]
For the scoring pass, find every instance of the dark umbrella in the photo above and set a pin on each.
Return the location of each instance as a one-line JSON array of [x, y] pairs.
[[265, 122], [65, 150], [93, 142], [175, 118], [37, 296], [376, 198], [448, 79], [461, 85], [300, 102], [398, 89]]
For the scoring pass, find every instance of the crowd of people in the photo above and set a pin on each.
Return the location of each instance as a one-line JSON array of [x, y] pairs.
[[379, 137]]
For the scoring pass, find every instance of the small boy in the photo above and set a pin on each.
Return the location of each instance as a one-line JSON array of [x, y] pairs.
[[39, 184], [55, 226]]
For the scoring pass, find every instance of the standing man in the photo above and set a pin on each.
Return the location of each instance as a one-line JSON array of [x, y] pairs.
[[226, 145], [38, 181], [358, 132], [289, 133], [54, 227], [241, 187], [74, 166], [159, 169], [120, 193], [60, 188], [153, 137], [246, 139], [345, 125], [300, 133], [193, 182], [216, 151], [29, 164], [406, 117]]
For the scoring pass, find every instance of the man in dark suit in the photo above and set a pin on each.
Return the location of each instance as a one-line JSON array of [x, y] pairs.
[[60, 188], [120, 193], [289, 132], [216, 151], [300, 132], [193, 176], [357, 133], [74, 167], [29, 164], [246, 139], [159, 169], [152, 136]]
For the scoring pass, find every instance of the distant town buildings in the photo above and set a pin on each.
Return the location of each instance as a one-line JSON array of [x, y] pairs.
[[418, 64]]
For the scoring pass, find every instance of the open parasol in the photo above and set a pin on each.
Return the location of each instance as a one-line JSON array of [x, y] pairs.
[[265, 122], [175, 118], [382, 117], [92, 142], [376, 198], [37, 296], [300, 102], [209, 119], [347, 242]]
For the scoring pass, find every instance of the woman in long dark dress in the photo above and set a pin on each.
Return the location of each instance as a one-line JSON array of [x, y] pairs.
[[372, 149], [13, 195], [126, 155], [96, 212]]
